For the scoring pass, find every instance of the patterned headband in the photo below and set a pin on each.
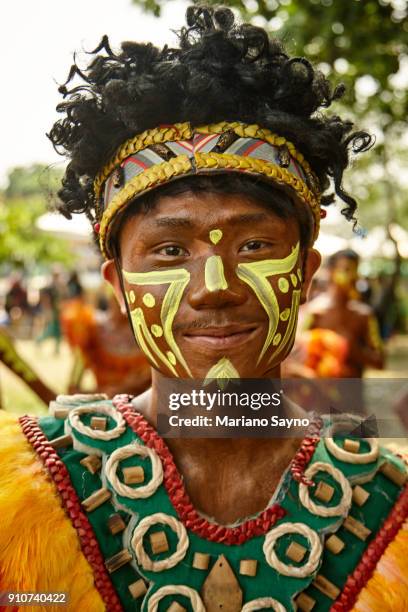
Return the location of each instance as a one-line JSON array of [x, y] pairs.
[[170, 152]]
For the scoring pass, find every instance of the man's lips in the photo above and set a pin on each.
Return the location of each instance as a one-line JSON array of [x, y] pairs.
[[221, 337]]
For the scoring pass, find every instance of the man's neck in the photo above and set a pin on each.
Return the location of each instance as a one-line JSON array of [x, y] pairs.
[[226, 478]]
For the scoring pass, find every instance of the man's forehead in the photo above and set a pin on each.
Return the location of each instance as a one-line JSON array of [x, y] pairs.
[[192, 210]]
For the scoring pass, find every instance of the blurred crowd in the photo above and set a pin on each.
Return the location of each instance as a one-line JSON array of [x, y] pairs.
[[342, 328], [92, 324]]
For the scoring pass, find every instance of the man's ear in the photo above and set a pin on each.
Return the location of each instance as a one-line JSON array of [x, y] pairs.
[[311, 264], [110, 274]]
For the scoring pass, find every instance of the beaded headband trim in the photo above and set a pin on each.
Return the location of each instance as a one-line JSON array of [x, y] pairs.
[[167, 153]]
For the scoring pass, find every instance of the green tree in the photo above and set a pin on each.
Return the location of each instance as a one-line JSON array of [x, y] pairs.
[[25, 199], [363, 43]]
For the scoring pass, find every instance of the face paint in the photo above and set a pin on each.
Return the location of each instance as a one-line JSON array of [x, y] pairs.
[[214, 274], [177, 280], [256, 275], [171, 357], [343, 278], [146, 340], [222, 369], [215, 236], [283, 285], [291, 326], [148, 300], [284, 315], [156, 330]]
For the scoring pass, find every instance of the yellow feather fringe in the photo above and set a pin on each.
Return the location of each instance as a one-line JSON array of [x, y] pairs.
[[387, 589], [39, 548]]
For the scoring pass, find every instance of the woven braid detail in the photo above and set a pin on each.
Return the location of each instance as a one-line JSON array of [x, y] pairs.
[[178, 131], [254, 131], [183, 165], [162, 173], [268, 169]]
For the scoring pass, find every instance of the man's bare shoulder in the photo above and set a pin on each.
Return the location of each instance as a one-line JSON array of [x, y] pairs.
[[364, 310], [318, 305]]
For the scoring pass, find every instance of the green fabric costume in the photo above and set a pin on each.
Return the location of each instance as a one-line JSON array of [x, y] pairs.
[[268, 581]]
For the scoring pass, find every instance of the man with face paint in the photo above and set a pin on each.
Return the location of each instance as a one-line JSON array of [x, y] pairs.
[[339, 310], [203, 170]]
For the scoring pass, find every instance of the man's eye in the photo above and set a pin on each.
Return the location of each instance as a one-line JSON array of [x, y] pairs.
[[254, 245], [172, 251]]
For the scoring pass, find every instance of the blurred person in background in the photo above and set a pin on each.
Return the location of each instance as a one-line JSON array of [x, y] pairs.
[[16, 302], [102, 342], [343, 338], [50, 305]]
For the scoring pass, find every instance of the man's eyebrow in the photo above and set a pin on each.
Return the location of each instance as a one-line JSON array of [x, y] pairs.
[[241, 219], [174, 222], [247, 218]]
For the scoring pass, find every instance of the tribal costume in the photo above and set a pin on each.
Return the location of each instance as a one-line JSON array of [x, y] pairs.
[[92, 500]]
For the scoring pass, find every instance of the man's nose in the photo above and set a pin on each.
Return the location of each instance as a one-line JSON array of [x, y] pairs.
[[215, 285]]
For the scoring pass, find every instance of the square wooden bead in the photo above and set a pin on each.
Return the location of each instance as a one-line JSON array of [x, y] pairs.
[[158, 542], [116, 524], [61, 441], [137, 589], [60, 413], [326, 587], [356, 528], [175, 607], [324, 492], [201, 561], [296, 552], [92, 463], [391, 472], [334, 544], [99, 423], [305, 603], [133, 475], [121, 558], [248, 567], [96, 499], [360, 495], [351, 446]]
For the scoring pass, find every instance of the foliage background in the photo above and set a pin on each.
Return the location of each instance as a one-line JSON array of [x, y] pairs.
[[28, 195], [364, 44]]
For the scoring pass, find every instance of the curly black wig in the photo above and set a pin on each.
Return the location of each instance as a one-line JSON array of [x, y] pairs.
[[221, 71]]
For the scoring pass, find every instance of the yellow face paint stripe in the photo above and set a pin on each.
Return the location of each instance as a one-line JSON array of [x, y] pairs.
[[255, 274], [143, 334], [266, 295], [215, 236], [170, 306], [290, 328], [136, 322], [214, 274], [222, 369], [178, 279]]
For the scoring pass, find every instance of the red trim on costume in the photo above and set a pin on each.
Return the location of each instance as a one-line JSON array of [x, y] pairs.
[[305, 453], [178, 495], [365, 569], [72, 505]]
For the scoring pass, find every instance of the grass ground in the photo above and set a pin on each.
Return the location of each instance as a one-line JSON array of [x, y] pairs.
[[54, 369]]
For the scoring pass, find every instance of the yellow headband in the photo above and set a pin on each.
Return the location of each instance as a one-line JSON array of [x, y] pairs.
[[164, 154]]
